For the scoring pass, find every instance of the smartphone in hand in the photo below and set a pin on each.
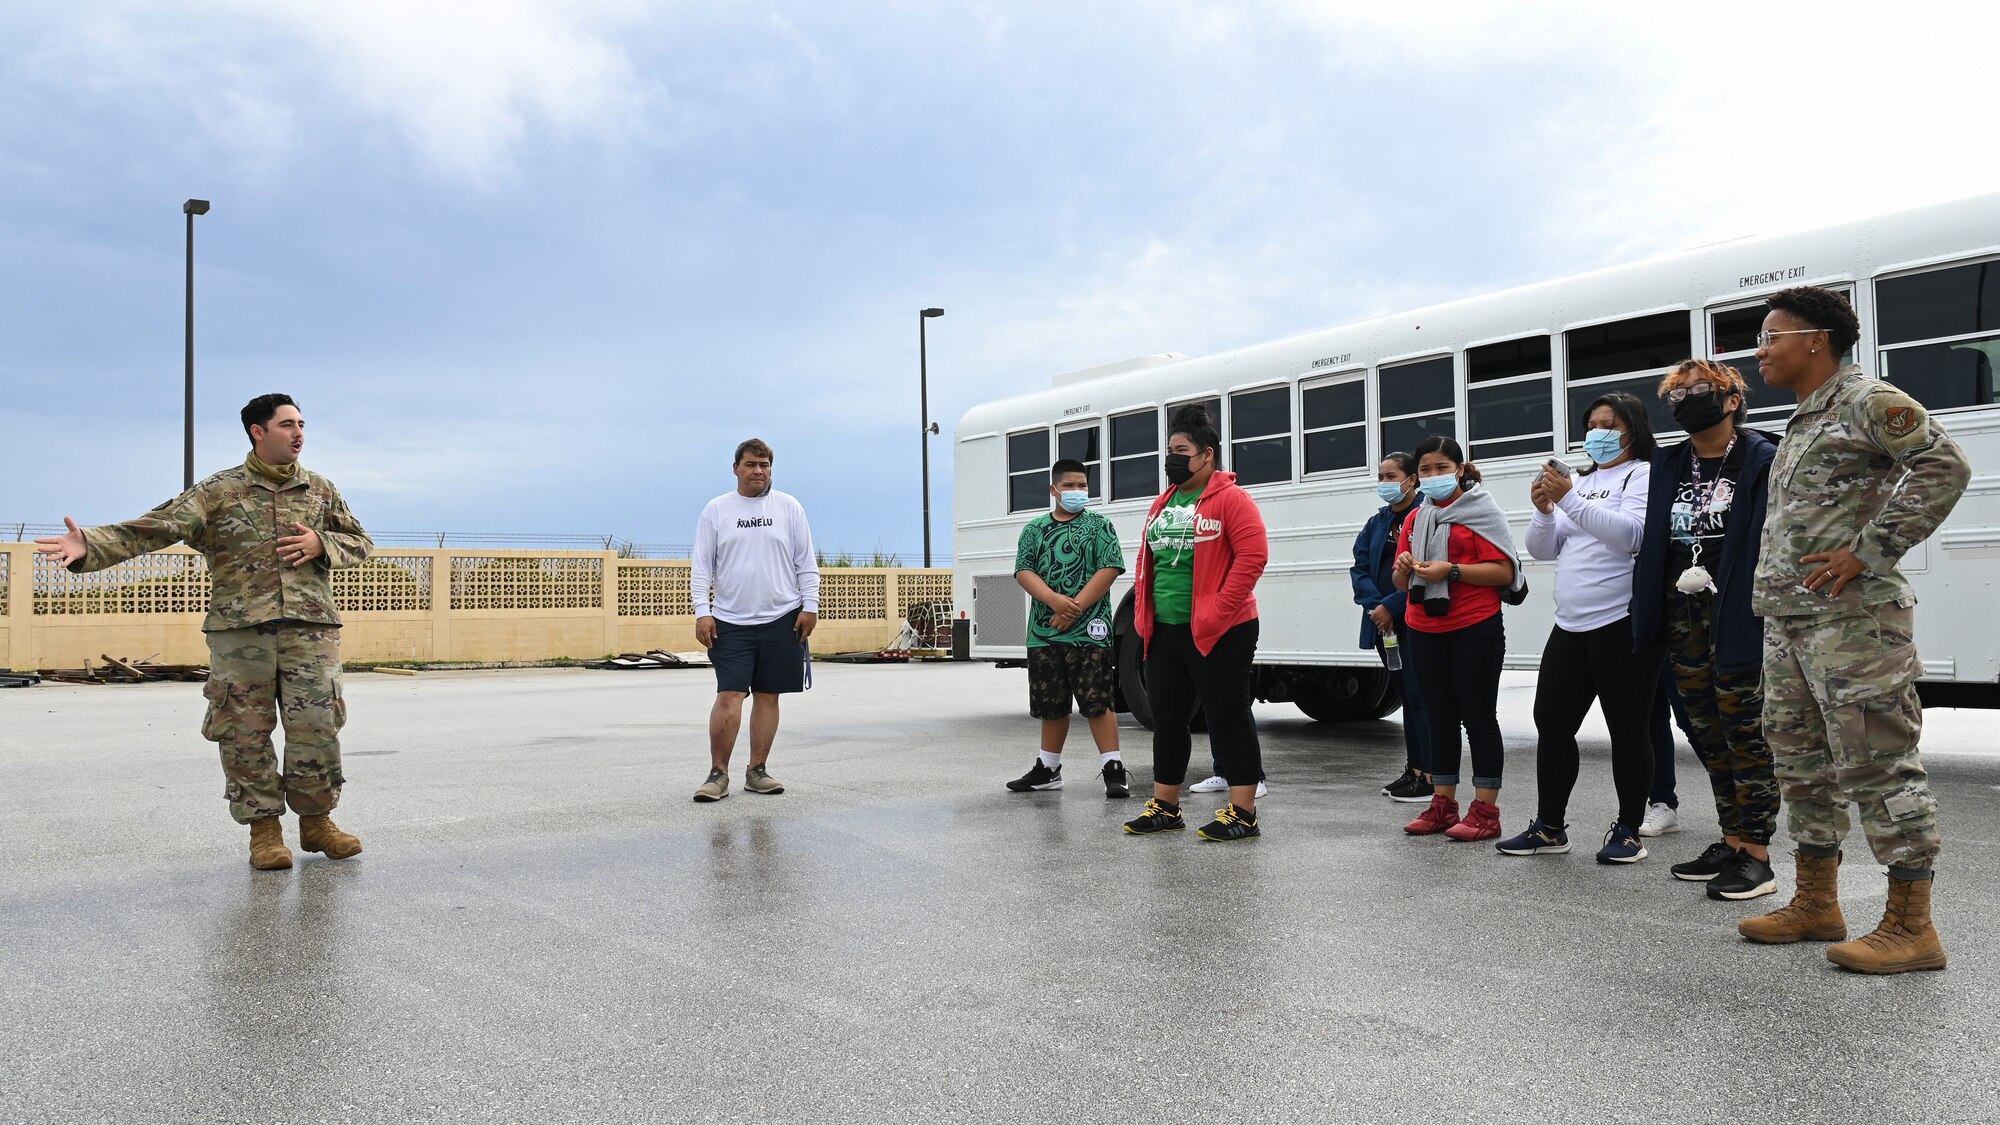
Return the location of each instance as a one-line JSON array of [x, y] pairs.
[[1555, 466]]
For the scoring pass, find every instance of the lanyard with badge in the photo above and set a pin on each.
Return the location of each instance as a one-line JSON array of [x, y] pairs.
[[1696, 578]]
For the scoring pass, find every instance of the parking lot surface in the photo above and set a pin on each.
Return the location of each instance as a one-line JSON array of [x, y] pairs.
[[544, 927]]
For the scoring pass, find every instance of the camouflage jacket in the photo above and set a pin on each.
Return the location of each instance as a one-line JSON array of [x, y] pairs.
[[235, 519], [1862, 465]]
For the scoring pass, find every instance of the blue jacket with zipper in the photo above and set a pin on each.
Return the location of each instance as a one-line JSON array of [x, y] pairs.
[[1373, 572], [1736, 633]]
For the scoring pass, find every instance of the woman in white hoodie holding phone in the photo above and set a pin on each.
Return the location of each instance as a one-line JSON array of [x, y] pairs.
[[1590, 523]]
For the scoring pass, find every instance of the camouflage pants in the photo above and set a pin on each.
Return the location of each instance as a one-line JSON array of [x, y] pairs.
[[1726, 712], [1842, 717], [285, 670]]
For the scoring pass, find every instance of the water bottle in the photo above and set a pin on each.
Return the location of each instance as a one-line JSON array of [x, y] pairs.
[[1392, 653]]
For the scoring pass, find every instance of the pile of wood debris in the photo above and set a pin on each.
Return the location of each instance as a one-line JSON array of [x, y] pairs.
[[116, 671]]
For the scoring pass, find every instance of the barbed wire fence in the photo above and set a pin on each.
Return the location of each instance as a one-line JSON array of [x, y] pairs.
[[19, 532]]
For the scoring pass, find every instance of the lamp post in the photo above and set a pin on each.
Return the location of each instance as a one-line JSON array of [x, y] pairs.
[[191, 208], [930, 427]]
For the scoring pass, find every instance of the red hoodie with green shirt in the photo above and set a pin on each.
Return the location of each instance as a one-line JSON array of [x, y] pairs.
[[1221, 534]]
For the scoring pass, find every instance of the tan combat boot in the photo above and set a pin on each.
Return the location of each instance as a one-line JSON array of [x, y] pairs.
[[1812, 915], [318, 833], [1904, 941], [267, 845]]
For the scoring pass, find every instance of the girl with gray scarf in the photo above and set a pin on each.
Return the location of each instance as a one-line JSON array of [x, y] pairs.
[[1455, 557]]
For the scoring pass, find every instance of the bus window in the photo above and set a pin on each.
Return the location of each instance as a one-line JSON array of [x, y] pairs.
[[1080, 444], [1028, 471], [1335, 419], [1508, 408], [1261, 435], [1416, 400], [1938, 333], [1135, 462], [1625, 355]]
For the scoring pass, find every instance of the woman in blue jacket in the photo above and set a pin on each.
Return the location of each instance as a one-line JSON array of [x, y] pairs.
[[1382, 616], [1704, 520]]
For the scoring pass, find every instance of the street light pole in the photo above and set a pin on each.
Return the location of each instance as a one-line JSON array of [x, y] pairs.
[[930, 427], [191, 208]]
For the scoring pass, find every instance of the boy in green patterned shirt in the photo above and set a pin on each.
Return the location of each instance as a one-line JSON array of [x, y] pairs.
[[1066, 561]]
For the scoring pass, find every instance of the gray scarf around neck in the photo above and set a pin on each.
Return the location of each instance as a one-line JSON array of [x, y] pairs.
[[1430, 539]]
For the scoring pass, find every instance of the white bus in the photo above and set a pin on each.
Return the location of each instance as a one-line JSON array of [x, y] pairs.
[[1306, 420]]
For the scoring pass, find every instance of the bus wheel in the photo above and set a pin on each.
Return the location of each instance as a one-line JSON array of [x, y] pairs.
[[1358, 696], [1132, 677]]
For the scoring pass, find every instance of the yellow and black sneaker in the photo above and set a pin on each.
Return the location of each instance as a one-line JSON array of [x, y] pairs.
[[1158, 817], [1231, 823]]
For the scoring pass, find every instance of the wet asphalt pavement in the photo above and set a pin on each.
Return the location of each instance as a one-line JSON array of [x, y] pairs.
[[545, 928]]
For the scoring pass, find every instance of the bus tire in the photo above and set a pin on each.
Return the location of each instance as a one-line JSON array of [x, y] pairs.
[[1373, 697], [1132, 676]]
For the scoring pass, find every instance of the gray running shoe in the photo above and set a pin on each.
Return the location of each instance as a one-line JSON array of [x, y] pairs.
[[715, 788], [759, 780]]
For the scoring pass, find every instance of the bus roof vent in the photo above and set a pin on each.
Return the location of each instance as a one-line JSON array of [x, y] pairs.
[[1119, 368]]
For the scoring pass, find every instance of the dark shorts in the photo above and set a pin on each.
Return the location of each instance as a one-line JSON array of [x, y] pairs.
[[1056, 673], [768, 659]]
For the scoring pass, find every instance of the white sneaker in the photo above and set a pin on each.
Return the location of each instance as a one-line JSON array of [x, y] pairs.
[[1660, 820], [1217, 785]]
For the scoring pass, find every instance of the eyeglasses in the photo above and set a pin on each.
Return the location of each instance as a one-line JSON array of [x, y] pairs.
[[1679, 393], [1764, 337]]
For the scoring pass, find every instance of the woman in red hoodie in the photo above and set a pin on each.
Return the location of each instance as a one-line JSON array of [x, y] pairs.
[[1199, 560]]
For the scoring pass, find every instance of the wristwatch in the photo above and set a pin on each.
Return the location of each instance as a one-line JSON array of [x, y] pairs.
[[1454, 572]]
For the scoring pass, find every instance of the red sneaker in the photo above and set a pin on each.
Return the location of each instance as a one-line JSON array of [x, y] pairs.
[[1442, 814], [1482, 822]]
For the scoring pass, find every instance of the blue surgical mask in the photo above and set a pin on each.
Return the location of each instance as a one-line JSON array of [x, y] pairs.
[[1438, 488], [1604, 446], [1075, 501], [1391, 492]]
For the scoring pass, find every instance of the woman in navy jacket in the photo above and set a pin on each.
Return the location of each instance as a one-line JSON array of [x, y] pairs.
[[1382, 613], [1704, 521]]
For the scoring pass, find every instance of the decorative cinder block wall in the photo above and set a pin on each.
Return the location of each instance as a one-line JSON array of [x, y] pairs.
[[426, 605]]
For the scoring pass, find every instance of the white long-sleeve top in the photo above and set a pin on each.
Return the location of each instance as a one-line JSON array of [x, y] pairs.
[[1593, 535], [753, 559]]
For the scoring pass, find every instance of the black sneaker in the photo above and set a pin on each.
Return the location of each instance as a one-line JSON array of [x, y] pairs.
[[1415, 791], [1158, 817], [1038, 776], [1115, 782], [1230, 823], [1707, 865], [1409, 775], [1745, 876]]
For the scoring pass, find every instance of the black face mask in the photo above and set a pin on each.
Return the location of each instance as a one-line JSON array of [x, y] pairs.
[[1696, 413], [1178, 472]]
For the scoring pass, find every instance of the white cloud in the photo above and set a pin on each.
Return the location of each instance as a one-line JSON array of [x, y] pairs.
[[466, 79]]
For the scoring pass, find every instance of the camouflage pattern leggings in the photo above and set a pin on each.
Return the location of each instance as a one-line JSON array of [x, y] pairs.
[[1842, 716], [285, 670], [1726, 710]]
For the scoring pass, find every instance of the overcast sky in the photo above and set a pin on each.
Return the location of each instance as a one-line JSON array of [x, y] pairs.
[[537, 265]]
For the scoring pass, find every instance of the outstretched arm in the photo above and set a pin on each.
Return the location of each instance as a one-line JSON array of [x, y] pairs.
[[84, 549]]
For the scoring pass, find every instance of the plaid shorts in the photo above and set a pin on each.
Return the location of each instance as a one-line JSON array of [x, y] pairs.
[[1058, 673]]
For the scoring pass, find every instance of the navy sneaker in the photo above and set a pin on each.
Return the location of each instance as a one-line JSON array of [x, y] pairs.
[[1539, 839], [1621, 845]]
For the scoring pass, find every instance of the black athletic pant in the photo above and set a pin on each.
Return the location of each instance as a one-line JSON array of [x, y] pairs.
[[1579, 669], [1178, 677], [1459, 675]]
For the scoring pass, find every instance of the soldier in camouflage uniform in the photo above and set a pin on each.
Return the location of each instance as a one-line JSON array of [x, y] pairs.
[[1863, 475], [272, 532]]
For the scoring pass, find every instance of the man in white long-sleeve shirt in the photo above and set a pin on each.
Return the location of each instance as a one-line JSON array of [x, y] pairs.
[[756, 599]]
